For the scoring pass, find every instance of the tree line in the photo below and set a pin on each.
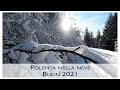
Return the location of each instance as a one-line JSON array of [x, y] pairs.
[[105, 40]]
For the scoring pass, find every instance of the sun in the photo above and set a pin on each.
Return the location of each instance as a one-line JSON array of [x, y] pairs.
[[66, 24]]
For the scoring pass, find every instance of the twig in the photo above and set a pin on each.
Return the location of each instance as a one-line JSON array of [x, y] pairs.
[[77, 48]]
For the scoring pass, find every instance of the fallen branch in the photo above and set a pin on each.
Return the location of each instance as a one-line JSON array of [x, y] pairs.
[[58, 50]]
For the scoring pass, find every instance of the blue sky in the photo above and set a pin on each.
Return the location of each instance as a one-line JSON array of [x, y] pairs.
[[92, 20]]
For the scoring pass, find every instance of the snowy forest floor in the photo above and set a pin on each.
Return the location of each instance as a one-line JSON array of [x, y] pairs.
[[34, 53]]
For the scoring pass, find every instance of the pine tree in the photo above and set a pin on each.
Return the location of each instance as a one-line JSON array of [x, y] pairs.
[[110, 33], [98, 39], [88, 37], [91, 39]]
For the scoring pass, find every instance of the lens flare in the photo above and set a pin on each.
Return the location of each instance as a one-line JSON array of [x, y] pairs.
[[66, 24]]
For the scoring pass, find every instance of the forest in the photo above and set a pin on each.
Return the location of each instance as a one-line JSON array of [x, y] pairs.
[[105, 40]]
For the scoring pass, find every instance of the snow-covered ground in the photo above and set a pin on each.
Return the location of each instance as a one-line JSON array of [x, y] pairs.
[[106, 54], [35, 50], [33, 53]]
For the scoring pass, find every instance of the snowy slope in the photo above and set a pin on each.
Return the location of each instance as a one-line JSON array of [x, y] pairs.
[[33, 53], [106, 54]]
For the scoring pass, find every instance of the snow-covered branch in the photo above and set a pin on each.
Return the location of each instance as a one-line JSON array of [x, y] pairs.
[[58, 50]]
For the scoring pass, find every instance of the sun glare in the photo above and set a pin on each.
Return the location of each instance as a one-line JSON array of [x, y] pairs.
[[66, 24]]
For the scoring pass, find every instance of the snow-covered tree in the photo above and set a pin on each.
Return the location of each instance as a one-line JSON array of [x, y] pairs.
[[98, 39], [17, 28], [110, 33], [89, 38]]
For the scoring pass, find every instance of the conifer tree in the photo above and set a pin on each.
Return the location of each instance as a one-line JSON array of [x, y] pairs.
[[110, 33]]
